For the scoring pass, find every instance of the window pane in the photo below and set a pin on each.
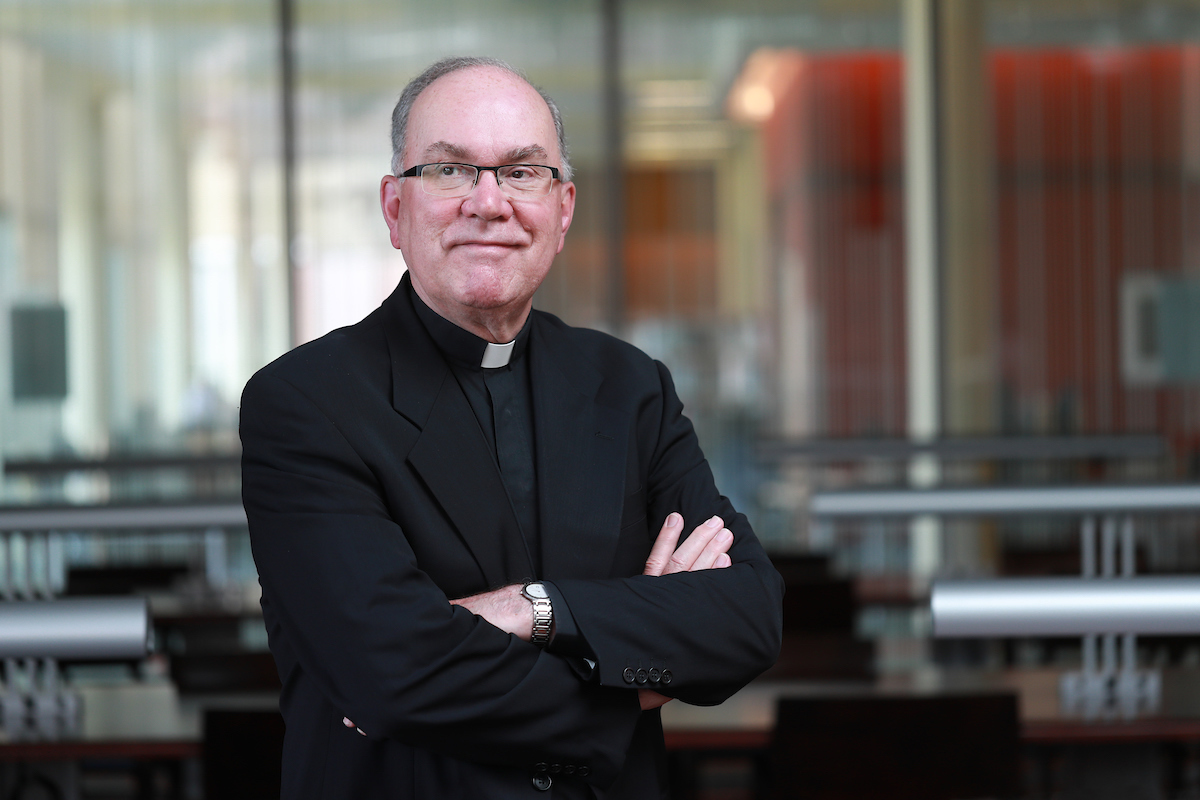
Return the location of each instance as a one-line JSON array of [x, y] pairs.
[[140, 199]]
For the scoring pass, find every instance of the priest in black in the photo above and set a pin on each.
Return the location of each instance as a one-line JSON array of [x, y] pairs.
[[489, 545]]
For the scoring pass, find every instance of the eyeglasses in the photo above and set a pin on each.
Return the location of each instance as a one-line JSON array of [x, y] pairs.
[[519, 181]]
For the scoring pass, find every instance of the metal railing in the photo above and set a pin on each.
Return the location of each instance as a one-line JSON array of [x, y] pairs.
[[38, 626], [1106, 605], [1005, 448], [126, 517], [1088, 500]]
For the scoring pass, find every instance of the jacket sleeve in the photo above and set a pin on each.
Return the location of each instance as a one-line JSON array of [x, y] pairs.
[[697, 636], [354, 609]]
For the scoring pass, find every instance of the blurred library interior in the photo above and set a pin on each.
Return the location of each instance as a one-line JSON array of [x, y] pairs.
[[942, 254]]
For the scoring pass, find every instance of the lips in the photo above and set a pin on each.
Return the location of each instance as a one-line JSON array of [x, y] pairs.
[[486, 243]]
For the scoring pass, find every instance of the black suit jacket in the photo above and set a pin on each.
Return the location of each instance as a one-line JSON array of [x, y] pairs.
[[372, 498]]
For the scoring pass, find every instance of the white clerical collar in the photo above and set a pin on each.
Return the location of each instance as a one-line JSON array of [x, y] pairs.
[[497, 355]]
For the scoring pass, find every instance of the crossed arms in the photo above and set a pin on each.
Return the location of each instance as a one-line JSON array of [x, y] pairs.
[[706, 548]]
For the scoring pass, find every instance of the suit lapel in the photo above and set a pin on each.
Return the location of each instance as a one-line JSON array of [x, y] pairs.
[[581, 452], [451, 454]]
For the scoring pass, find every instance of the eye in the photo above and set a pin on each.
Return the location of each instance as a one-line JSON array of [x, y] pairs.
[[524, 173], [451, 170]]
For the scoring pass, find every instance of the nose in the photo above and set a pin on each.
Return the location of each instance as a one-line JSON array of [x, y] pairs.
[[486, 200]]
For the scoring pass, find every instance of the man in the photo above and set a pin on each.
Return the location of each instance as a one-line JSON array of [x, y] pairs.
[[407, 477]]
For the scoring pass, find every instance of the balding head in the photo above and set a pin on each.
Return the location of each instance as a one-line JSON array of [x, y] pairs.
[[403, 109]]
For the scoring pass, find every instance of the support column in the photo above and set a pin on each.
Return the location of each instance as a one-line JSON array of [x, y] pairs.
[[287, 122], [613, 165], [85, 412], [968, 260], [168, 243], [921, 179], [952, 330]]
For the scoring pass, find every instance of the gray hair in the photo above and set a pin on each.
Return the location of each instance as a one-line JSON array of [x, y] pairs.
[[454, 64]]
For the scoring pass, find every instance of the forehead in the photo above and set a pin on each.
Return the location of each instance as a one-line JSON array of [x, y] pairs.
[[481, 111]]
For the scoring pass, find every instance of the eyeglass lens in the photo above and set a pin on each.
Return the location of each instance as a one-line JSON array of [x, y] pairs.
[[516, 180]]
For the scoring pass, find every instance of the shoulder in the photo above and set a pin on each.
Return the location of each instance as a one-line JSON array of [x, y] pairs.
[[343, 360], [613, 358]]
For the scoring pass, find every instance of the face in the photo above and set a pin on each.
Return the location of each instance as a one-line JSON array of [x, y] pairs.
[[477, 260]]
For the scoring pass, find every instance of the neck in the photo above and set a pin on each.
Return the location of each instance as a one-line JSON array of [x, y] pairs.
[[496, 329], [495, 325]]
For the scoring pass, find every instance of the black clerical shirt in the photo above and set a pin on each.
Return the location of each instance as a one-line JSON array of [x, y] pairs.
[[465, 353]]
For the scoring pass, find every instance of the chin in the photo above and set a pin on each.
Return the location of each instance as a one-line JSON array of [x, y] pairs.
[[490, 302], [492, 294]]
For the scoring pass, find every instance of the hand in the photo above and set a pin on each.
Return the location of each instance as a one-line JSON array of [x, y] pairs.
[[346, 721], [506, 608], [649, 699], [706, 548]]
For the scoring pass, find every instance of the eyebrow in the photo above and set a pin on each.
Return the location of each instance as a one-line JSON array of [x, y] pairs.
[[517, 155]]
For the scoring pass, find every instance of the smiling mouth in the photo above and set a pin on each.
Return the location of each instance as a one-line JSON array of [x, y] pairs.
[[488, 249]]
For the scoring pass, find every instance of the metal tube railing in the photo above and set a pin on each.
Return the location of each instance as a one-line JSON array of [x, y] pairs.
[[100, 628], [1066, 606], [1107, 606], [1016, 500], [108, 517]]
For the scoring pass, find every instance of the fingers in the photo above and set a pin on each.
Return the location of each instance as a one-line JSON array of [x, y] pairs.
[[715, 549], [649, 699], [664, 545], [346, 721], [702, 548], [706, 548]]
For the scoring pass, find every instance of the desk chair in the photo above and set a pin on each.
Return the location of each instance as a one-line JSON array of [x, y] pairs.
[[819, 613], [872, 747]]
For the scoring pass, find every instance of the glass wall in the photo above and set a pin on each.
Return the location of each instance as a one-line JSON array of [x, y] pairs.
[[695, 176], [143, 216], [142, 262], [743, 214]]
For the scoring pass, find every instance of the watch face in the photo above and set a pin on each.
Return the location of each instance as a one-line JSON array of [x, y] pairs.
[[536, 590]]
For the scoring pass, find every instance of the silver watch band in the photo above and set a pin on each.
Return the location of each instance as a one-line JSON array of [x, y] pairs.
[[543, 612]]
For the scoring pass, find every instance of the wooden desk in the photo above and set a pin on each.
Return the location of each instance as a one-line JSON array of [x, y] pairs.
[[1061, 757], [745, 721], [151, 721], [154, 714], [1038, 732], [134, 749], [141, 732], [1150, 729]]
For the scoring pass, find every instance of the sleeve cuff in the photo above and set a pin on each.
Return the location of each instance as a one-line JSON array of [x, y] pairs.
[[566, 639]]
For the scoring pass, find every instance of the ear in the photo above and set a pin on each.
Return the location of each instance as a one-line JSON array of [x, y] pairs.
[[567, 210], [390, 201]]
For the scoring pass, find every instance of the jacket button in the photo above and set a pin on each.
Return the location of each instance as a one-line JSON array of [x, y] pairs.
[[655, 675], [585, 771], [541, 766], [628, 674], [667, 677], [542, 782], [555, 769], [569, 769], [642, 677]]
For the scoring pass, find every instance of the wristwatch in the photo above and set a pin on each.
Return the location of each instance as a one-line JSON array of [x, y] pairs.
[[543, 611]]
